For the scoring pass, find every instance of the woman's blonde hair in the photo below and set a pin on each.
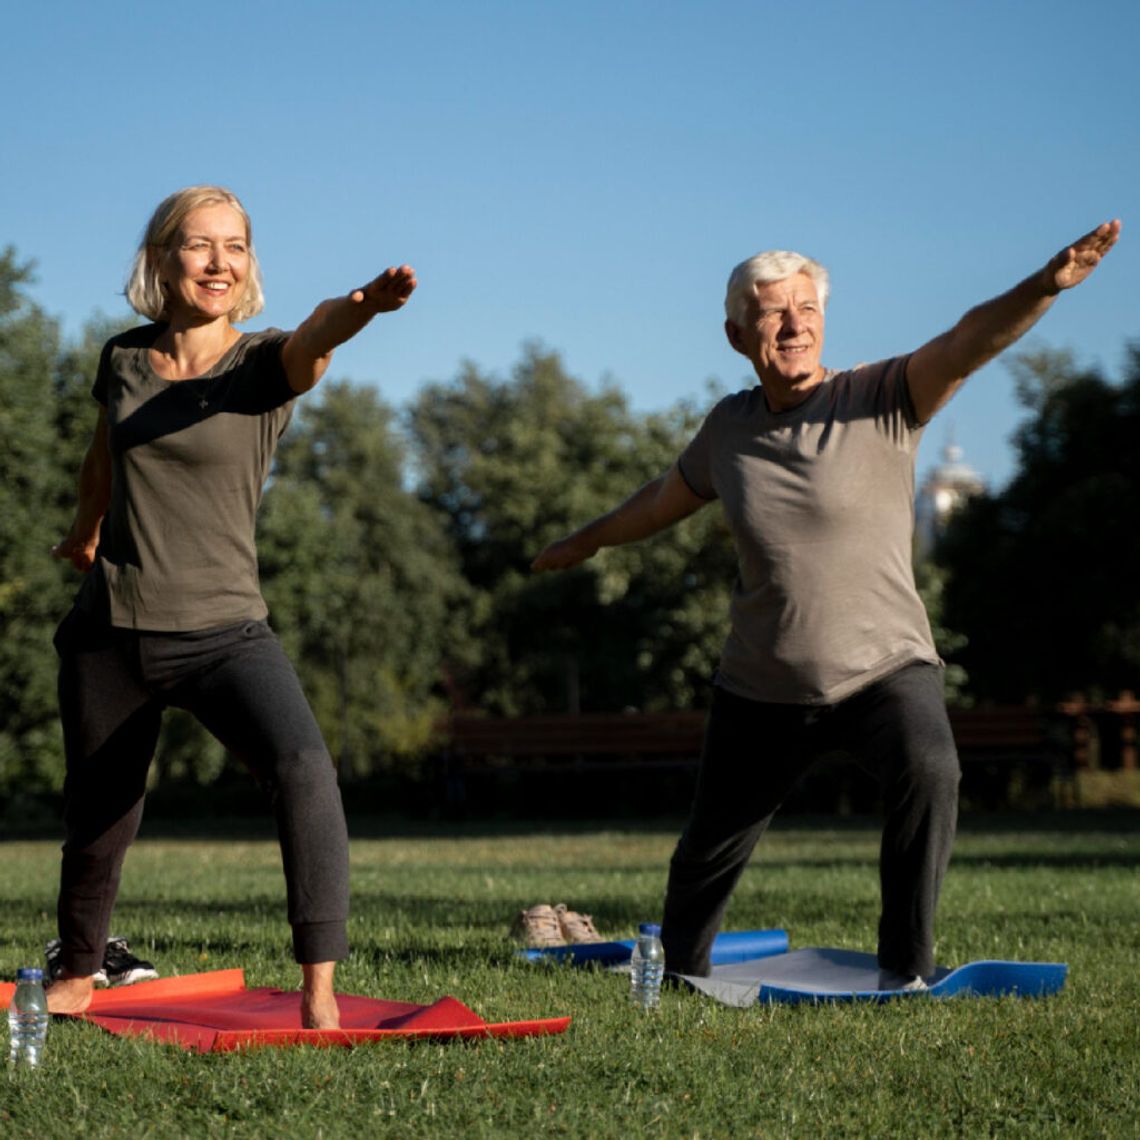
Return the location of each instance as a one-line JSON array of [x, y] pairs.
[[144, 289]]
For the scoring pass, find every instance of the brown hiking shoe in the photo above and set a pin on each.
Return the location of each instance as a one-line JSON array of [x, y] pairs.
[[576, 927], [538, 927]]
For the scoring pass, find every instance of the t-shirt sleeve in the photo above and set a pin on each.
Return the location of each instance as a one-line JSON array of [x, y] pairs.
[[881, 390], [905, 399], [264, 355], [100, 389], [695, 462], [258, 385]]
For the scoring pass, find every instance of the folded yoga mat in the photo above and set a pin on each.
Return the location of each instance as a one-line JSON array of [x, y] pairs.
[[733, 946], [214, 1012], [815, 975]]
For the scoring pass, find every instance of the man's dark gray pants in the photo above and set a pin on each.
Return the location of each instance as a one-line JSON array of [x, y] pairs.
[[753, 755], [237, 681]]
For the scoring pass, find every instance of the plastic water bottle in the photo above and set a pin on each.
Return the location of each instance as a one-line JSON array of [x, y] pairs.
[[27, 1018], [648, 966]]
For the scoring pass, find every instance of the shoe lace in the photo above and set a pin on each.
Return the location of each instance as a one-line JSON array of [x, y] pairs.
[[544, 923], [577, 927], [118, 956]]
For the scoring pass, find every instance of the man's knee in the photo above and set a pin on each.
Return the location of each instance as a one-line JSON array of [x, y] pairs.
[[936, 776]]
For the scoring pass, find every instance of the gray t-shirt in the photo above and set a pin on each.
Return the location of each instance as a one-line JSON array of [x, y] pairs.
[[820, 502], [189, 459]]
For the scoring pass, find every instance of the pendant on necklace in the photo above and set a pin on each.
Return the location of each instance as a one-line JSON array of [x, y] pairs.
[[203, 403]]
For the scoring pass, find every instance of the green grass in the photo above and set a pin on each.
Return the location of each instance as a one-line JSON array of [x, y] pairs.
[[430, 913]]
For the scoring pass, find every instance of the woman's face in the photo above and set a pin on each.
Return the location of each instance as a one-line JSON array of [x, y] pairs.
[[205, 269]]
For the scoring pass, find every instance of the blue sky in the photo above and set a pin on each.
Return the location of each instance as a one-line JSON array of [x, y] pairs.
[[586, 174]]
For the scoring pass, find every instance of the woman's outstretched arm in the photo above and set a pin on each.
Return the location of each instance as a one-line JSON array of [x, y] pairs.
[[307, 352]]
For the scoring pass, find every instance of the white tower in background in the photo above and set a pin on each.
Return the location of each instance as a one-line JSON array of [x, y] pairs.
[[943, 491]]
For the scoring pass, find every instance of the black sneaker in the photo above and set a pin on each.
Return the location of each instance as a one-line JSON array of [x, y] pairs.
[[121, 967], [53, 952]]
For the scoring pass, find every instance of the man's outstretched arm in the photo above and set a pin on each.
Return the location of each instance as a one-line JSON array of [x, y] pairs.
[[936, 371], [660, 503]]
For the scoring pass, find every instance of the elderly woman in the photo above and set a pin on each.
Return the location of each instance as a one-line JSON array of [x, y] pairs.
[[171, 612]]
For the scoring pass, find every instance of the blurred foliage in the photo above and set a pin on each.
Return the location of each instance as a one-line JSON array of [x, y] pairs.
[[360, 579], [43, 434], [511, 466], [1043, 575], [395, 552], [931, 579]]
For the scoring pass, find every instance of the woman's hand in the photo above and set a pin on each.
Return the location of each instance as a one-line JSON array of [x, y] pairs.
[[388, 292], [79, 550]]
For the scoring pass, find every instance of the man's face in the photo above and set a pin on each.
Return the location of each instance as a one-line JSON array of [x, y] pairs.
[[782, 335]]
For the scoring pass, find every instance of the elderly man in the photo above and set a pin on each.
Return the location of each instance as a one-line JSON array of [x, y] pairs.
[[830, 648]]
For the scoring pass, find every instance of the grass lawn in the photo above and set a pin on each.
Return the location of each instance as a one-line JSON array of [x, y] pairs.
[[431, 908]]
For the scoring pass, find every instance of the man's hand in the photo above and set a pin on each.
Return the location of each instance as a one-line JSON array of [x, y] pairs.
[[565, 554], [388, 292], [1076, 262]]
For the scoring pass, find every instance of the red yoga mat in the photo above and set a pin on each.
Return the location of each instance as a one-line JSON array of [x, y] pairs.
[[214, 1012]]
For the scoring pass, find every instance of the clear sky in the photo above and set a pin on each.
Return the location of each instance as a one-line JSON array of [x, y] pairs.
[[586, 173]]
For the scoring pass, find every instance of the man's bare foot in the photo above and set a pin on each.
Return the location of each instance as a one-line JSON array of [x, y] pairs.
[[318, 1001], [70, 994]]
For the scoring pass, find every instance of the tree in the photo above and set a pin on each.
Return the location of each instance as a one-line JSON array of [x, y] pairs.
[[29, 590], [360, 579], [510, 466], [46, 417], [1042, 577], [931, 580]]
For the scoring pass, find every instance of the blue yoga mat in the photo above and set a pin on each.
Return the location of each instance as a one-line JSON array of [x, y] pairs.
[[818, 975], [732, 946]]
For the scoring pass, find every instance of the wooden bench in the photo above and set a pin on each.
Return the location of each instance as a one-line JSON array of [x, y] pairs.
[[1015, 752], [994, 745], [547, 749], [576, 739]]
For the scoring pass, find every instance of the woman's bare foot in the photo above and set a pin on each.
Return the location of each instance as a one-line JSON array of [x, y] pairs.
[[70, 994], [318, 1001]]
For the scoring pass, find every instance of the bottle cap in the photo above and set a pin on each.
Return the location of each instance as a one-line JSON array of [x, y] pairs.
[[650, 928], [29, 974]]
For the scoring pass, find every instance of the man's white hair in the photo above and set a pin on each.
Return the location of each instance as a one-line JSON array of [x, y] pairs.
[[764, 269]]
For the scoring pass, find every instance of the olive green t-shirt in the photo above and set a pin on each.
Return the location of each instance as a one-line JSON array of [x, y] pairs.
[[189, 459], [820, 502]]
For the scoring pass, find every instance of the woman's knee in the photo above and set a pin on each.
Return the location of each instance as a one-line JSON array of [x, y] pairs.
[[306, 771]]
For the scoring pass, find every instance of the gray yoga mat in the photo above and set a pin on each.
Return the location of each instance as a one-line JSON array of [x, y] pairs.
[[818, 975]]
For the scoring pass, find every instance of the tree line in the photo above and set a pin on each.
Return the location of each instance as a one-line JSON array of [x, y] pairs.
[[395, 547], [1042, 576]]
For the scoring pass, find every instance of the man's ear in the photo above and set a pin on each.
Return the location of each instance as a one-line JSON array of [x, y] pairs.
[[734, 338]]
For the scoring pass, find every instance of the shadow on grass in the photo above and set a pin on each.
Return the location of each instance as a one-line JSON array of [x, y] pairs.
[[211, 828]]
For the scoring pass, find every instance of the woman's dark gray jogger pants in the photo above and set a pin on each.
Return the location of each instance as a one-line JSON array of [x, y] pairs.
[[237, 681]]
